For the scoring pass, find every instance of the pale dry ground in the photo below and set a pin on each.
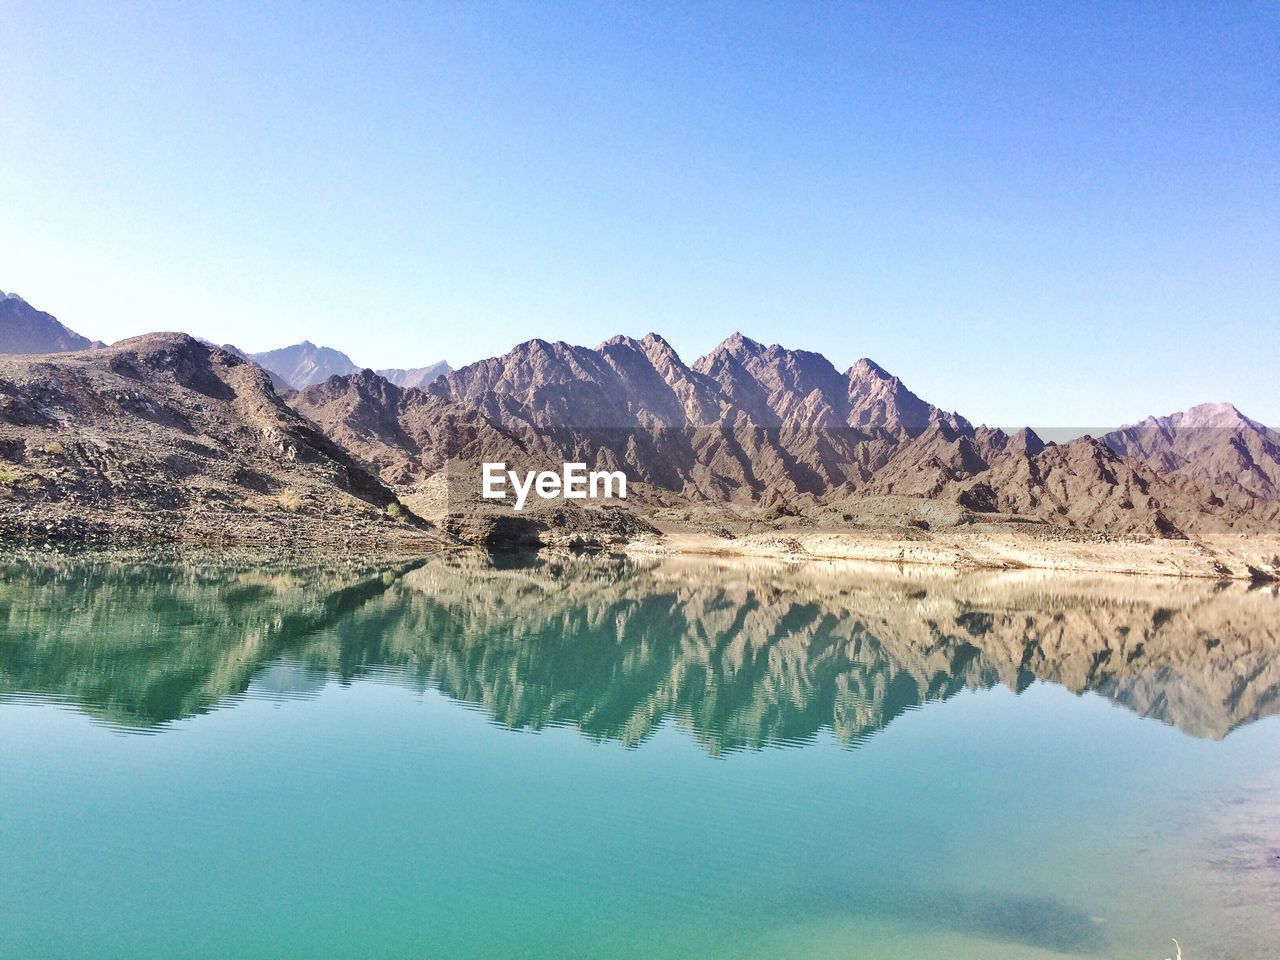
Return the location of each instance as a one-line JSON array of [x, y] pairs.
[[987, 546]]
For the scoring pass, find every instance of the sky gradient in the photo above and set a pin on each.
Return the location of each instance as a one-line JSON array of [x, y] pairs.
[[1050, 214]]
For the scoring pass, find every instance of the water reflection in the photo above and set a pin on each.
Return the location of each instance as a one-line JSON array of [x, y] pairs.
[[741, 654]]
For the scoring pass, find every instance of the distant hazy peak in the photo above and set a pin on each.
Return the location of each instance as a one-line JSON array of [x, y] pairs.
[[415, 376], [303, 364], [26, 330], [1213, 444], [1218, 416], [1215, 415]]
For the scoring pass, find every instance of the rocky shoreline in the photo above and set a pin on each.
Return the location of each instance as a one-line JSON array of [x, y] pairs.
[[1007, 546]]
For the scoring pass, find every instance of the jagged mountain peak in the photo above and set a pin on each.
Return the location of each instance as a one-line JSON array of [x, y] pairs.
[[736, 347], [866, 367], [620, 340], [1025, 442], [737, 342], [877, 399]]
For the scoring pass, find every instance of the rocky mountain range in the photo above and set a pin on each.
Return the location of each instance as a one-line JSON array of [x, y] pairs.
[[763, 424], [748, 425], [26, 330]]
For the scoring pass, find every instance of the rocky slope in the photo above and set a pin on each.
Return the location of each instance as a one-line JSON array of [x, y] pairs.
[[760, 424], [1090, 486], [278, 383], [26, 330], [164, 437]]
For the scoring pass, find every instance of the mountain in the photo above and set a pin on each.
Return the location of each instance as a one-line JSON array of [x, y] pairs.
[[1089, 485], [164, 437], [26, 330], [304, 363], [796, 388], [415, 376], [750, 424], [1213, 445]]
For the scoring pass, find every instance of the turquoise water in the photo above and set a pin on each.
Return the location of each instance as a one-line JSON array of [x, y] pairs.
[[597, 758]]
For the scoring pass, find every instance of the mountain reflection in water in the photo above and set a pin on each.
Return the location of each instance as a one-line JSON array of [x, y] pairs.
[[741, 654]]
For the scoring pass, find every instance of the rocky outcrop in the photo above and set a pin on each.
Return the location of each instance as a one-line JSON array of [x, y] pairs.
[[281, 386]]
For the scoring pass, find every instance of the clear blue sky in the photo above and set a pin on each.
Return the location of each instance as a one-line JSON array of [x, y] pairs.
[[1058, 214]]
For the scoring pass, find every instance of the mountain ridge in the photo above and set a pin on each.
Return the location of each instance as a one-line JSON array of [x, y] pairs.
[[748, 425], [760, 424]]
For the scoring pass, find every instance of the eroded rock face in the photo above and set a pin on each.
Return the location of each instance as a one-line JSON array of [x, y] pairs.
[[741, 654], [760, 424], [165, 437]]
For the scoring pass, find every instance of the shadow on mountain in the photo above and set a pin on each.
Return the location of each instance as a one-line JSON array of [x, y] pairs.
[[740, 654]]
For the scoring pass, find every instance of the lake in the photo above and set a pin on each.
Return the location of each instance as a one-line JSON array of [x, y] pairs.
[[471, 756]]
